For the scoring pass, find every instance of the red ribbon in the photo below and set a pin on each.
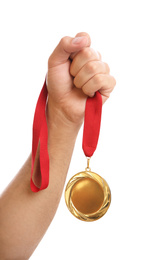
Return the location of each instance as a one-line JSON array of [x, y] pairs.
[[91, 130], [40, 136], [92, 122]]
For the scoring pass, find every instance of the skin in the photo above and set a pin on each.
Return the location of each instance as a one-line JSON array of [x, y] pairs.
[[75, 71]]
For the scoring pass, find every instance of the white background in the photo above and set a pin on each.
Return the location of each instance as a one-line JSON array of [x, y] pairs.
[[120, 30]]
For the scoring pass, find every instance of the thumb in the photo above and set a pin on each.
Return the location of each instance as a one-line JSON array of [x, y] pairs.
[[66, 47]]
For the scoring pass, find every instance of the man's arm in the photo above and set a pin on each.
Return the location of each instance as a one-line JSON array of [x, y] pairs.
[[75, 71], [25, 216]]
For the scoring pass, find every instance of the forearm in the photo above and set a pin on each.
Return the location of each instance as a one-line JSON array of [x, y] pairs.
[[25, 216]]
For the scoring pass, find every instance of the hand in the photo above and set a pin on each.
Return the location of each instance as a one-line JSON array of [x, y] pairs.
[[75, 71]]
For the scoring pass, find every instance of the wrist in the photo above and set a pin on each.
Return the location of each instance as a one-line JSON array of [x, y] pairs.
[[57, 120], [62, 132]]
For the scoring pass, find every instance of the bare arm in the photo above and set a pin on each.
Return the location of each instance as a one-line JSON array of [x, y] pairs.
[[25, 216]]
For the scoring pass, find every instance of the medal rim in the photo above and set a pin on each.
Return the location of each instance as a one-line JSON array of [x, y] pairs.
[[105, 187]]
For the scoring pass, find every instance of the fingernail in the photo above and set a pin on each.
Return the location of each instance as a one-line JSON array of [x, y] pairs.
[[77, 40]]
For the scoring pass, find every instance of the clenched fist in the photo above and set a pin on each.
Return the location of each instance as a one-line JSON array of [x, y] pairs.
[[76, 71]]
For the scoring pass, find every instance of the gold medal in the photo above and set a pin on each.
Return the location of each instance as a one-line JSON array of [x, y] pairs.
[[87, 195]]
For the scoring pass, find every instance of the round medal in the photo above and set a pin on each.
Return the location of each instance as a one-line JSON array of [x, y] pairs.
[[87, 195]]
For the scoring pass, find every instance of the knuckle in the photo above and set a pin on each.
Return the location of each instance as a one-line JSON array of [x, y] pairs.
[[63, 41], [87, 52], [100, 56], [99, 79], [91, 67], [113, 82], [107, 67]]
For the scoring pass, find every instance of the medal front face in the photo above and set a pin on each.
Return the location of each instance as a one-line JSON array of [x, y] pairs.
[[87, 195]]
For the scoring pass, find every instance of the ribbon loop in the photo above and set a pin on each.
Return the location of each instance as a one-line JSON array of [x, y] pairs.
[[40, 135]]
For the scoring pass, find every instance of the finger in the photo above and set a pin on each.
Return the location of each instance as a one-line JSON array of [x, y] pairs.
[[88, 71], [79, 35], [83, 57], [103, 83], [99, 55], [66, 46]]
